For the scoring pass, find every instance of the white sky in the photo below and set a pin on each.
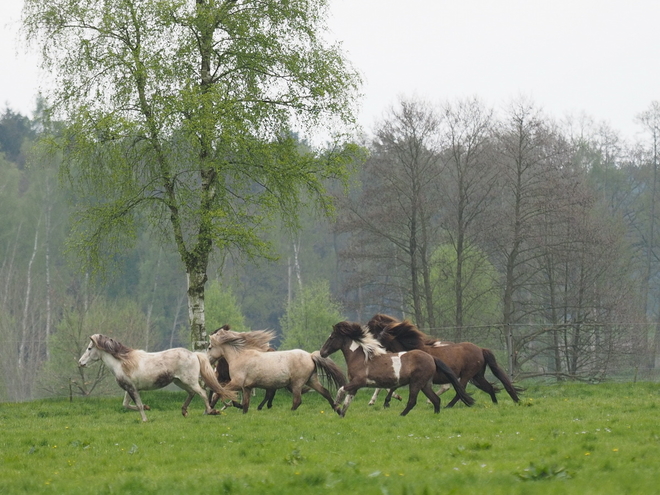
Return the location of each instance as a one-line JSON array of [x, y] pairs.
[[598, 57]]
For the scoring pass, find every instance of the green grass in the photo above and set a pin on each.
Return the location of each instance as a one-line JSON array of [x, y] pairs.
[[570, 438]]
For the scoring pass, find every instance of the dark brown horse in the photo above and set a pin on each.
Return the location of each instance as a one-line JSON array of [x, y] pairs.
[[468, 361], [369, 365]]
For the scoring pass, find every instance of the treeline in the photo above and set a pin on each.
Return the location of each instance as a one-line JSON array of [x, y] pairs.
[[537, 237], [511, 230]]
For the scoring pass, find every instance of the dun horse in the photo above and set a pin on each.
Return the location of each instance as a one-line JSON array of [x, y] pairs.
[[137, 370], [468, 361], [222, 373], [369, 365], [250, 366]]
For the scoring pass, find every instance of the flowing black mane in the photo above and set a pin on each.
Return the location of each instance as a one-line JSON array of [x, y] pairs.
[[350, 329], [378, 323], [403, 333]]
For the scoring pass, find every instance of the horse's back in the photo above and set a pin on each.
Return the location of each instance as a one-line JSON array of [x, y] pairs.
[[274, 369], [457, 356]]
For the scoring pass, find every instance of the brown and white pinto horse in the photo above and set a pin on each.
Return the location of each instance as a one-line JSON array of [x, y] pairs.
[[369, 365], [251, 366], [468, 361], [137, 370]]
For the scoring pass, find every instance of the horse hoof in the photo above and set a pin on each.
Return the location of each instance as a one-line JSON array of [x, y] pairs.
[[214, 412], [146, 407], [184, 413]]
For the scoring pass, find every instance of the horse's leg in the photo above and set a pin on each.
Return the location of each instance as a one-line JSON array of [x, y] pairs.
[[314, 383], [414, 389], [268, 399], [349, 390], [296, 390], [192, 389], [341, 393], [481, 383], [463, 382], [435, 400], [388, 397], [443, 388], [127, 404], [135, 395], [374, 397], [246, 399], [186, 403]]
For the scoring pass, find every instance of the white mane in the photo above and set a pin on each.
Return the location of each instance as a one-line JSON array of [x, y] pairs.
[[369, 344]]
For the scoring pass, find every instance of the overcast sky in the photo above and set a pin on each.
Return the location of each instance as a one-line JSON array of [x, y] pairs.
[[598, 57]]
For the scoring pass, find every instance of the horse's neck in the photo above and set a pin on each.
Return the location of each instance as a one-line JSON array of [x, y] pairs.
[[354, 357], [113, 363], [235, 359]]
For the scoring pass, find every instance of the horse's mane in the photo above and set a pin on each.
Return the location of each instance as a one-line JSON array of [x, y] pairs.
[[239, 341], [378, 323], [223, 327], [386, 329], [361, 336], [403, 335], [111, 346]]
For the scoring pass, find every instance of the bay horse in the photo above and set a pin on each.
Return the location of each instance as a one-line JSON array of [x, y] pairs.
[[467, 360], [137, 370], [251, 366], [369, 365]]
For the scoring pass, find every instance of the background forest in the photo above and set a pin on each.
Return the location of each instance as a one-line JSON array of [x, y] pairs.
[[511, 230]]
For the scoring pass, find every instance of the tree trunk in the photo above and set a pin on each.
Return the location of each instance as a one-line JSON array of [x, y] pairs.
[[196, 282]]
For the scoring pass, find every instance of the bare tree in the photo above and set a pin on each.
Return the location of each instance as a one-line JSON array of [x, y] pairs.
[[390, 219], [528, 149], [468, 179]]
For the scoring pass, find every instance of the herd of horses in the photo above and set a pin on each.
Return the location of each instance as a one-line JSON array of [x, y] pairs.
[[386, 353]]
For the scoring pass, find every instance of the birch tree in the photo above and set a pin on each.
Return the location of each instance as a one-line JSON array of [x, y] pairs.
[[182, 112]]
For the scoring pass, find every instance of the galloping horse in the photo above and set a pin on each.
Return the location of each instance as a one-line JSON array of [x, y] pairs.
[[468, 361], [250, 366], [369, 365], [137, 370], [222, 373]]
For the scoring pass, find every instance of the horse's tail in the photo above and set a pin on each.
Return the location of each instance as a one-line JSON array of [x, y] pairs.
[[453, 379], [210, 379], [501, 375], [329, 369]]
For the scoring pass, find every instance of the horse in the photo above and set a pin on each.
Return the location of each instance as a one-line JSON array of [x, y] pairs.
[[222, 374], [251, 366], [137, 370], [369, 365], [468, 361]]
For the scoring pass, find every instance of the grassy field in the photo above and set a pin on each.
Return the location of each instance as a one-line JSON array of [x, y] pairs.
[[570, 438]]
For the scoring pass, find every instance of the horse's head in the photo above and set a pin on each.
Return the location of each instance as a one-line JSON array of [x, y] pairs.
[[214, 350], [334, 342], [92, 353]]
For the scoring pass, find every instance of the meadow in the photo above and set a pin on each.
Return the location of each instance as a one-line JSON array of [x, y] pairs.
[[564, 438]]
